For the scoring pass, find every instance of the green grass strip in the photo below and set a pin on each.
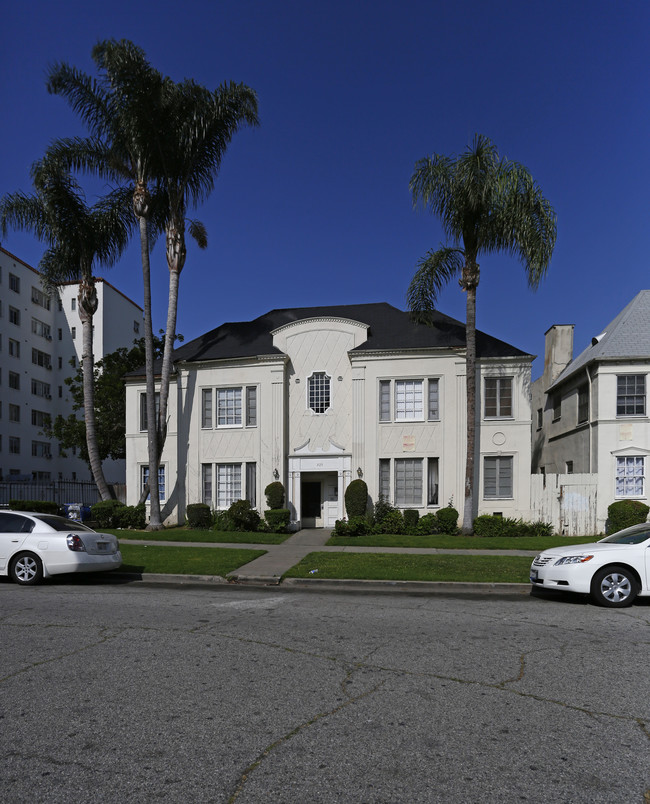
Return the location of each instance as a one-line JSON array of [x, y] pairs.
[[184, 560], [208, 536], [447, 542], [395, 567]]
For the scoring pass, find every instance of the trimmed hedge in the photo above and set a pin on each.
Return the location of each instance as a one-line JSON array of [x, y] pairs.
[[37, 506], [356, 498], [199, 516], [278, 519], [104, 513], [243, 517], [274, 495], [625, 513], [447, 519], [131, 516]]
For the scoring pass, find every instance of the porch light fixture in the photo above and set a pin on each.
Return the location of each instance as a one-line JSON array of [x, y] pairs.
[[360, 472], [276, 474]]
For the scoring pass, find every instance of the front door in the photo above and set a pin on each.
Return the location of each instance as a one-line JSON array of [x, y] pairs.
[[310, 513]]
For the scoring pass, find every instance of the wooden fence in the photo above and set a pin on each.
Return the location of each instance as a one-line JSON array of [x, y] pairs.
[[567, 501]]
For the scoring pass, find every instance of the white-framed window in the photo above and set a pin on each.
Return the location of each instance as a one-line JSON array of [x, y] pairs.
[[235, 407], [41, 449], [14, 413], [433, 482], [144, 479], [630, 395], [41, 329], [41, 419], [251, 483], [228, 484], [14, 283], [408, 481], [136, 327], [206, 407], [229, 412], [41, 389], [14, 445], [143, 410], [409, 400], [40, 298], [404, 400], [14, 380], [498, 397], [41, 359], [14, 348], [319, 392], [497, 476], [583, 404], [630, 476], [14, 316], [206, 484]]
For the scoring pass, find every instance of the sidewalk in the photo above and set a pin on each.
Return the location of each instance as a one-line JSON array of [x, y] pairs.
[[269, 568]]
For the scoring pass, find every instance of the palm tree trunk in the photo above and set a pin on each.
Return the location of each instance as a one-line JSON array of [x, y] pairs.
[[87, 307], [153, 448], [470, 371]]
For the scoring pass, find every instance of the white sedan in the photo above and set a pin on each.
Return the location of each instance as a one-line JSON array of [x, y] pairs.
[[614, 570], [35, 546]]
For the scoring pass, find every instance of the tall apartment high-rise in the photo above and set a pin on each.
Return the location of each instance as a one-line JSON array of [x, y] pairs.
[[40, 345]]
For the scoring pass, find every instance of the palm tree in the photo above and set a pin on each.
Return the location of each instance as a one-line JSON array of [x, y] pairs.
[[123, 114], [166, 140], [486, 205], [201, 124], [78, 238]]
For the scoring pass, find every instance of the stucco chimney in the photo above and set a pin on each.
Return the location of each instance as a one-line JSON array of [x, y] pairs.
[[558, 351]]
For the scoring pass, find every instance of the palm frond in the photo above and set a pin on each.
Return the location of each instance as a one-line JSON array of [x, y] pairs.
[[198, 233], [434, 272]]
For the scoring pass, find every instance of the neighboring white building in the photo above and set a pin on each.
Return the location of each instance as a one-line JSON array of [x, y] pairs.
[[591, 413], [318, 396], [39, 336]]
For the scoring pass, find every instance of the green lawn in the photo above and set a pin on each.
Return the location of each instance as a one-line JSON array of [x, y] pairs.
[[185, 535], [446, 542], [389, 566], [184, 560]]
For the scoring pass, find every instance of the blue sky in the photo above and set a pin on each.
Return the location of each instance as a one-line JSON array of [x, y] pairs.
[[313, 207]]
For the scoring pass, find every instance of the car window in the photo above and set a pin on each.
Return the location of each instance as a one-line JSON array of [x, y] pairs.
[[59, 523], [627, 537], [15, 523]]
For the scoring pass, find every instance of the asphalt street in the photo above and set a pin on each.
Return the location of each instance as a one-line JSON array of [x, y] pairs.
[[127, 692]]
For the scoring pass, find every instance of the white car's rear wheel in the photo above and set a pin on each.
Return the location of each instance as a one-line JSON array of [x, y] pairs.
[[614, 587], [26, 569]]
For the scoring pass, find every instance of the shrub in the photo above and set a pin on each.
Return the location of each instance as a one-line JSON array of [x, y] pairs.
[[199, 516], [341, 528], [104, 513], [243, 517], [274, 495], [131, 516], [358, 526], [428, 524], [356, 498], [392, 522], [447, 520], [37, 506], [490, 526], [411, 517], [222, 522], [382, 508], [625, 513], [278, 519]]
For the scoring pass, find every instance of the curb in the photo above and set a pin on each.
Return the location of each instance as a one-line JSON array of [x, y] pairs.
[[440, 588]]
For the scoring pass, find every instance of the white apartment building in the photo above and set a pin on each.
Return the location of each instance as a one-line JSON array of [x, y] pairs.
[[317, 397], [39, 337]]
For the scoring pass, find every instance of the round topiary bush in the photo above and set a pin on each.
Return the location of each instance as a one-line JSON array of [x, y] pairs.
[[356, 498], [625, 513], [447, 520], [274, 495]]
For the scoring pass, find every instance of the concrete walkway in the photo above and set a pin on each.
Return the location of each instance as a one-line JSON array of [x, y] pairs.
[[269, 568]]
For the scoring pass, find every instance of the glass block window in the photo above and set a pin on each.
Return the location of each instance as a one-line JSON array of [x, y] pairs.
[[409, 404], [229, 407], [498, 397], [630, 476], [630, 395], [228, 484], [318, 389], [408, 481], [497, 480]]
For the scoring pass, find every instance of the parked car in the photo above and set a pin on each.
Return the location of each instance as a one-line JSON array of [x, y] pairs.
[[34, 546], [614, 570]]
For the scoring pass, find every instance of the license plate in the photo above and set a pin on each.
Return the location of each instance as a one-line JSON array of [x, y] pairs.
[[533, 576], [102, 547]]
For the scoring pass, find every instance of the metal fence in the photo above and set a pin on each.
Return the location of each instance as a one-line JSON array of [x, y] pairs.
[[59, 491]]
